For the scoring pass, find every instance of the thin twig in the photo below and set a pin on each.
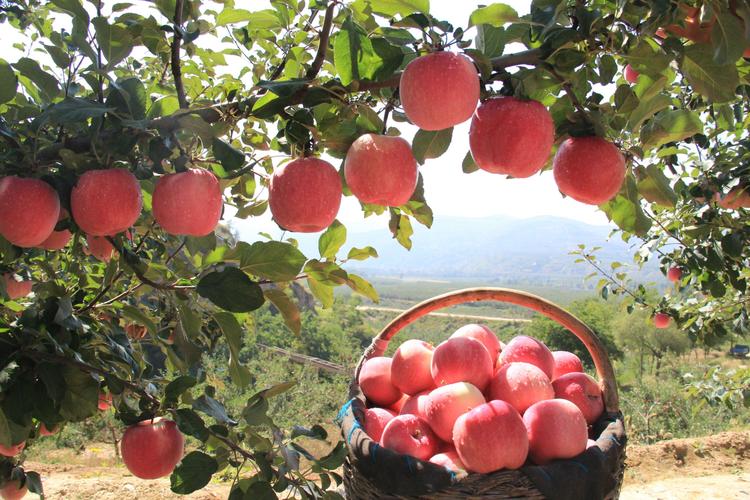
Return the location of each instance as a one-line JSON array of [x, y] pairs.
[[325, 34], [176, 69]]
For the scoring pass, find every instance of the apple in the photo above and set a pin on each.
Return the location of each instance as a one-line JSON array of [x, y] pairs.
[[491, 437], [105, 401], [100, 248], [152, 448], [305, 195], [462, 359], [583, 391], [511, 136], [106, 202], [13, 450], [693, 29], [450, 460], [135, 331], [483, 334], [521, 385], [410, 435], [58, 239], [589, 169], [525, 349], [44, 431], [445, 404], [381, 169], [565, 362], [674, 274], [16, 289], [631, 75], [375, 381], [12, 490], [396, 407], [188, 203], [375, 421], [738, 197], [556, 429], [439, 90], [410, 369], [662, 320], [29, 209], [415, 405]]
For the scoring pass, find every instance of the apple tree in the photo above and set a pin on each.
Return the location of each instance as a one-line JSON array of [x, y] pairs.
[[127, 128]]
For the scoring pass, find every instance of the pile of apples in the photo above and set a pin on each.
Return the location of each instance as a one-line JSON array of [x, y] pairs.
[[474, 404]]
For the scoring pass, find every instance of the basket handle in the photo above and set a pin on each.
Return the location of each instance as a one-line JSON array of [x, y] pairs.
[[598, 352]]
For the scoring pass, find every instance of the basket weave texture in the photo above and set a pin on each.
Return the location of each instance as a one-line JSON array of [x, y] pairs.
[[374, 472]]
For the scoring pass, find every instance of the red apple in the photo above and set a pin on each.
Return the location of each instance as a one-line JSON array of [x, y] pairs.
[[462, 359], [305, 195], [105, 401], [556, 429], [134, 331], [445, 404], [483, 334], [106, 202], [738, 197], [674, 274], [523, 349], [410, 369], [375, 381], [589, 169], [375, 421], [100, 248], [521, 385], [415, 405], [662, 320], [450, 460], [396, 407], [410, 435], [566, 362], [29, 209], [58, 239], [188, 203], [511, 136], [152, 448], [16, 289], [631, 75], [439, 90], [583, 391], [491, 437], [44, 431], [381, 169], [12, 490], [12, 451]]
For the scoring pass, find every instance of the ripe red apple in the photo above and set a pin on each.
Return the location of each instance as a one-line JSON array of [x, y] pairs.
[[450, 460], [29, 209], [525, 349], [105, 401], [445, 404], [511, 136], [521, 385], [375, 381], [462, 359], [134, 331], [565, 362], [674, 274], [662, 320], [738, 197], [152, 448], [631, 75], [556, 429], [410, 369], [100, 248], [16, 289], [692, 29], [483, 334], [491, 437], [305, 195], [375, 421], [439, 90], [12, 451], [106, 202], [188, 203], [589, 169], [396, 407], [381, 169], [12, 490], [58, 239], [415, 405], [583, 391], [410, 435]]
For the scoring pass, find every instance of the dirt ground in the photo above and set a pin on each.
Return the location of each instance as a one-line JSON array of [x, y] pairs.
[[714, 467]]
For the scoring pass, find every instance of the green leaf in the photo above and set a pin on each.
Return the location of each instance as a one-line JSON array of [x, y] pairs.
[[288, 309], [353, 54], [399, 7], [231, 16], [193, 473], [728, 38], [496, 15], [163, 106], [46, 83], [191, 424], [229, 157], [490, 40], [717, 82], [400, 227], [232, 290], [129, 96], [178, 387], [321, 291], [625, 209], [335, 458], [431, 143], [670, 126], [331, 241], [81, 395], [266, 19], [114, 40], [6, 438], [34, 483], [271, 260], [8, 82], [73, 8], [654, 186], [362, 287], [213, 408], [232, 330], [72, 110], [140, 317], [646, 109], [284, 88], [469, 165], [361, 253]]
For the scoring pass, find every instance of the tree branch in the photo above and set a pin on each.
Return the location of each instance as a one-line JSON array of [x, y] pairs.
[[325, 34], [176, 69]]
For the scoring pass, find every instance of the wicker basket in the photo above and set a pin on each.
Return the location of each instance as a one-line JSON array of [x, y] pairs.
[[371, 471]]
